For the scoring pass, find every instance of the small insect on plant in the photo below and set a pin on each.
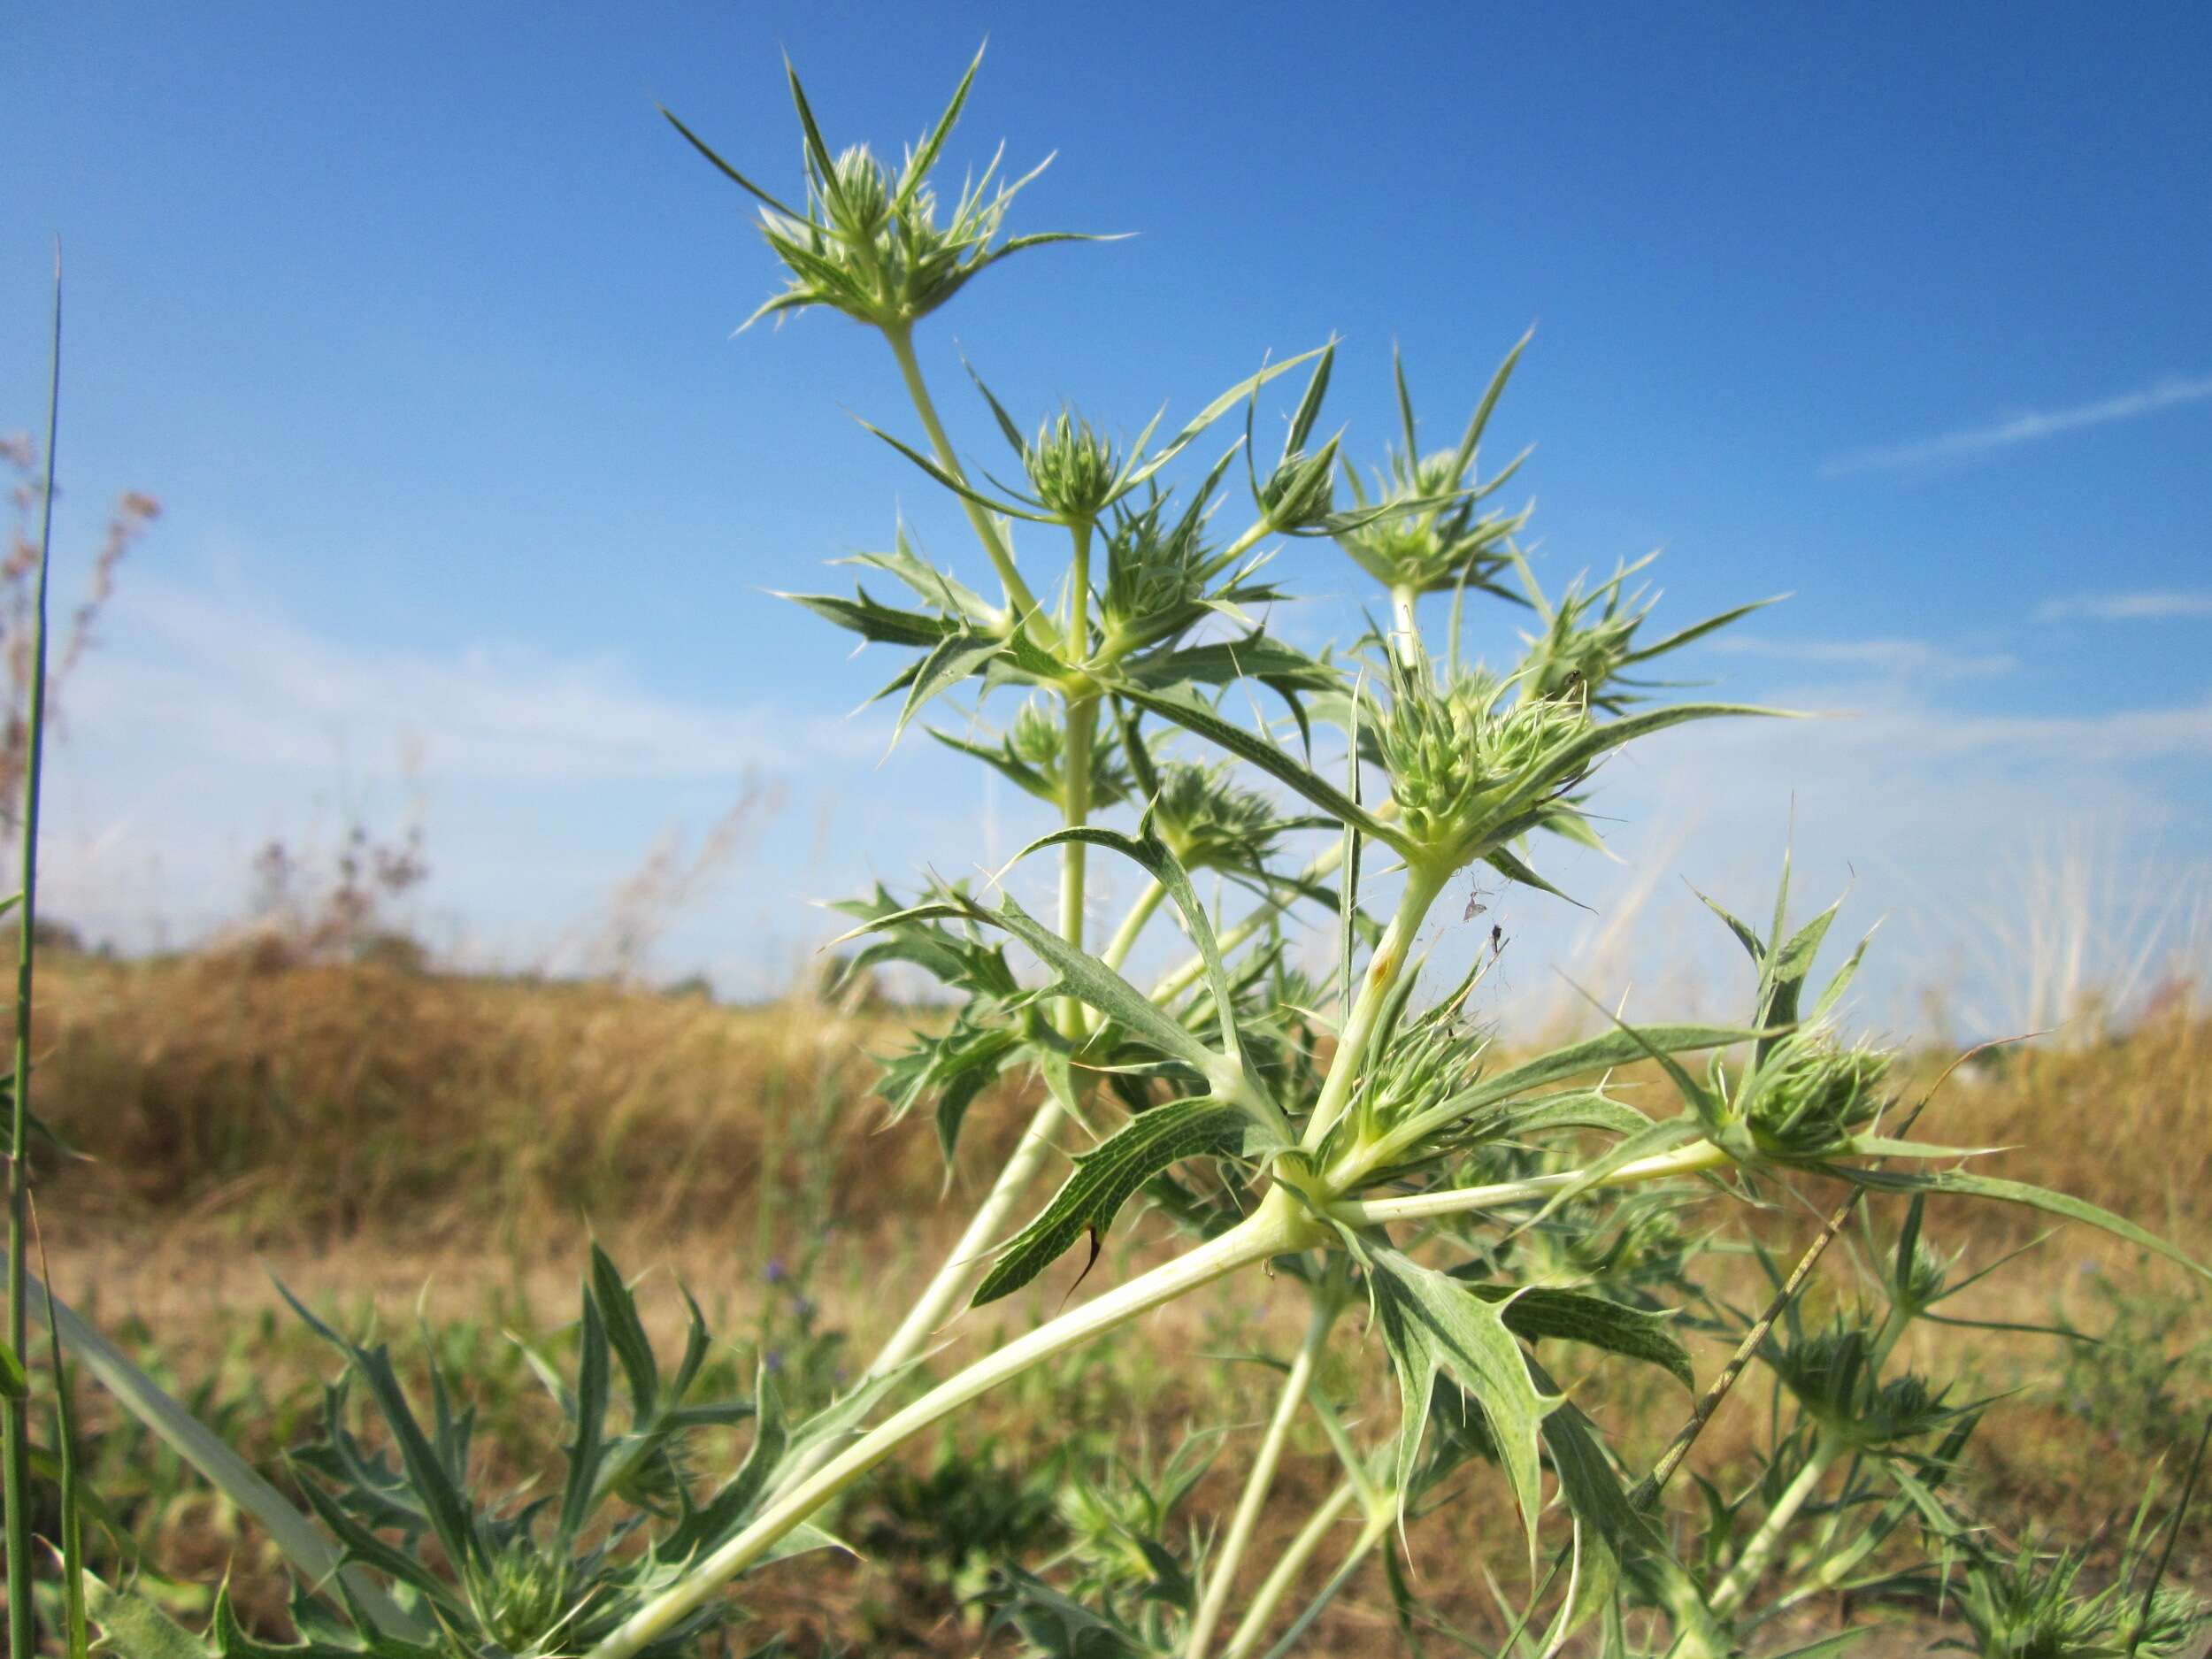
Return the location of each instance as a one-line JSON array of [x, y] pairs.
[[1462, 1226]]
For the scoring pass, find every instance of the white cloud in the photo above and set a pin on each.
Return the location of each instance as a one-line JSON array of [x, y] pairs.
[[1915, 658], [2027, 428], [262, 690], [2152, 604]]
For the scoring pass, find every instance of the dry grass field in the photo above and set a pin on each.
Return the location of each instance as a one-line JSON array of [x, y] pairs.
[[383, 1140]]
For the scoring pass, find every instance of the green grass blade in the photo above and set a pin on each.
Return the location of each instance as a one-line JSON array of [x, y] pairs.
[[15, 1416], [191, 1440]]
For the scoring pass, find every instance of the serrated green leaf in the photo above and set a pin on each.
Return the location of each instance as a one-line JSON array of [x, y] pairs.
[[951, 660], [880, 624], [134, 1627], [1158, 860], [625, 1334], [1432, 1324], [2061, 1204], [1087, 980], [1106, 1178], [589, 1444], [1576, 1317]]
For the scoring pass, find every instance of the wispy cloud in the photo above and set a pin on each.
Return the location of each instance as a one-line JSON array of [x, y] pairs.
[[1893, 657], [2028, 427], [250, 687], [2144, 604]]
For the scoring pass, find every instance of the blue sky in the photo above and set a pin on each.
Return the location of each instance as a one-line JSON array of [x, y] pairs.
[[417, 319]]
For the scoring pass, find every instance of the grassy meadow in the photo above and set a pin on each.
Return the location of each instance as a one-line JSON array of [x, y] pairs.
[[384, 1139]]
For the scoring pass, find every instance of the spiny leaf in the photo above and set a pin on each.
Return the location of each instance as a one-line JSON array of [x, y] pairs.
[[1089, 980], [1155, 856], [2060, 1204], [951, 660], [1193, 714], [1106, 1176], [1433, 1324], [133, 1626], [1574, 1317]]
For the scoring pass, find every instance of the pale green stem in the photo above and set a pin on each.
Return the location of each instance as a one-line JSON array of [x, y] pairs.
[[1405, 632], [1244, 544], [1132, 927], [940, 1299], [1383, 969], [1076, 801], [1282, 1578], [1376, 1213], [1278, 1226], [1080, 591], [1728, 1594], [991, 1222], [1222, 1571], [1017, 595]]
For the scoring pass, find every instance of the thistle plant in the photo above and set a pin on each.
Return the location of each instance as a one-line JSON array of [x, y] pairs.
[[1375, 1153], [1462, 1220]]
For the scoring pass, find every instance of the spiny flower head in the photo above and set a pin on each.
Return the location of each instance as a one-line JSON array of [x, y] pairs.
[[1300, 494], [1210, 823], [1072, 468], [1457, 753], [1810, 1094], [869, 244]]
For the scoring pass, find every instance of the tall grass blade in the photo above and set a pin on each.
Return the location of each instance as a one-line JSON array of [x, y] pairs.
[[191, 1440], [15, 1427]]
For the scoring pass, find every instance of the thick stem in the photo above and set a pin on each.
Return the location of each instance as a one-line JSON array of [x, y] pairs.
[[1131, 928], [1690, 1160], [1383, 969], [1405, 632], [990, 1223], [1728, 1594], [1018, 594], [1222, 1571], [1075, 799], [15, 1425], [1278, 1225], [1282, 1578]]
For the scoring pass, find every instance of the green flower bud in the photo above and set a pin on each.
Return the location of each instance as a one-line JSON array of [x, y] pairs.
[[1456, 752], [859, 199], [869, 244], [1300, 493], [1808, 1096], [1833, 1373], [1037, 740], [1072, 468], [1209, 822]]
